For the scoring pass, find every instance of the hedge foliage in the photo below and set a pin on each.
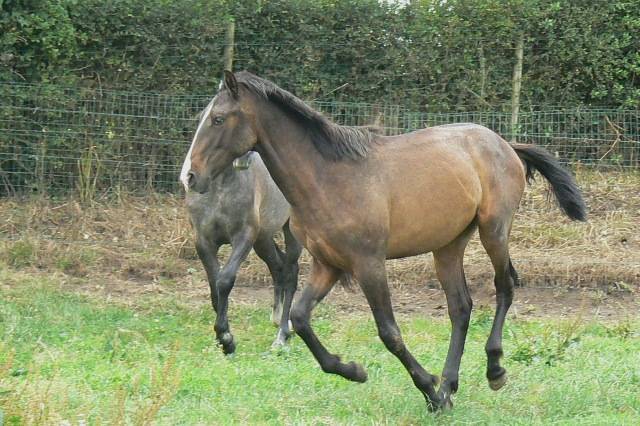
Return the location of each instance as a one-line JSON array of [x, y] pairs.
[[429, 55]]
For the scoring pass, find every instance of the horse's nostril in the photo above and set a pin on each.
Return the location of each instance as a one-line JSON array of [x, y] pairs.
[[191, 179]]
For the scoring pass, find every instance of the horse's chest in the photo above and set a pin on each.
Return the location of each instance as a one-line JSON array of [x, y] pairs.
[[219, 222]]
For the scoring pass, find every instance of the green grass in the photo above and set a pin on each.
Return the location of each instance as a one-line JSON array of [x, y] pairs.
[[67, 357]]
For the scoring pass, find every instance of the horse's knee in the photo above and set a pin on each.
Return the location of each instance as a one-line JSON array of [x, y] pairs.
[[291, 275], [391, 338], [203, 248], [225, 283], [299, 318]]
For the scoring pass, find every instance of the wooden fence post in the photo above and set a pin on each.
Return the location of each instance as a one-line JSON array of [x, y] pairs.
[[228, 46], [517, 82]]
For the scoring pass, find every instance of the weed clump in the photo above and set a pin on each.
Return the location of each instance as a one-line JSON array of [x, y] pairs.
[[549, 345], [19, 254]]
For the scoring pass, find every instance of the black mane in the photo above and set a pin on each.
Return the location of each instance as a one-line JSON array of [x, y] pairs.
[[333, 141]]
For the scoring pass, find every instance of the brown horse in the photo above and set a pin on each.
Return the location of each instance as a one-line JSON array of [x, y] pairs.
[[359, 198]]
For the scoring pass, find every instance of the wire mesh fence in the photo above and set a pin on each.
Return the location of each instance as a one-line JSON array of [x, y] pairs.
[[58, 139]]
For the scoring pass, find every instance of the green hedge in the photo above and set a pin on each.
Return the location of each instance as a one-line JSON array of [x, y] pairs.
[[428, 55]]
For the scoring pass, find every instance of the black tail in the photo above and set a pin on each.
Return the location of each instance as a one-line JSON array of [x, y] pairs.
[[562, 182]]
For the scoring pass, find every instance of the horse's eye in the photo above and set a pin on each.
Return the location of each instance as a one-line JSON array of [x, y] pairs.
[[217, 120]]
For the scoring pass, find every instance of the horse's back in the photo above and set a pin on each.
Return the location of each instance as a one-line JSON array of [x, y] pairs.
[[466, 147]]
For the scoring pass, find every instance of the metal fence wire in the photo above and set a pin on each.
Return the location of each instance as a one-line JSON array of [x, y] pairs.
[[56, 139]]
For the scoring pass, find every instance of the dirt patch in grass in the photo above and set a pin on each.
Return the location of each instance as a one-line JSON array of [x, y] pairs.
[[129, 246], [408, 300]]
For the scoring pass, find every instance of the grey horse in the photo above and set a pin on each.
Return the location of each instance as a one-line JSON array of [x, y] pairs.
[[243, 207]]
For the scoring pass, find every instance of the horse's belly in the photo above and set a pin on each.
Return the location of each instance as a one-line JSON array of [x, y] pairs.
[[273, 213], [433, 213], [412, 241]]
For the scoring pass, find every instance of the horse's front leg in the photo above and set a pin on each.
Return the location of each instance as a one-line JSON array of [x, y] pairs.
[[322, 279], [241, 246], [371, 275], [448, 262], [208, 254]]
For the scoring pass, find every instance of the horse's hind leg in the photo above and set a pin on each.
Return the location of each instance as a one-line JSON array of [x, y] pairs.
[[373, 281], [321, 281], [293, 249], [268, 251], [207, 252], [494, 234], [448, 262]]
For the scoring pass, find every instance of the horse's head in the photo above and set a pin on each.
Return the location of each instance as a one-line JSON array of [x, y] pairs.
[[224, 133]]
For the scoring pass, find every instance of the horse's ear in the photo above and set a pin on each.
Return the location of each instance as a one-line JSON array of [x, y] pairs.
[[231, 83]]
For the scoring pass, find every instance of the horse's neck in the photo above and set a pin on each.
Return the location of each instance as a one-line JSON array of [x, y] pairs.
[[292, 160]]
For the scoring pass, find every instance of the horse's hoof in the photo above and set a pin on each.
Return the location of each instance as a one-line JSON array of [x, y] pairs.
[[356, 373], [228, 343], [434, 406], [433, 400], [279, 347], [229, 349], [282, 338], [498, 382], [447, 404], [280, 343], [445, 401]]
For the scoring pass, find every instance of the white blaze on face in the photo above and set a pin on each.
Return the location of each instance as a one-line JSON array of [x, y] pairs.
[[186, 166]]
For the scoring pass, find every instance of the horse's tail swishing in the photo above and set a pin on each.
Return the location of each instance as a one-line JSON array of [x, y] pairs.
[[562, 182]]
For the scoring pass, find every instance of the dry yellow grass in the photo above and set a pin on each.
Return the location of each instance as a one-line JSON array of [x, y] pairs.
[[149, 239]]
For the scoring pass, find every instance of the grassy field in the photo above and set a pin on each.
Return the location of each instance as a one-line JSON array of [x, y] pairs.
[[72, 359], [104, 319]]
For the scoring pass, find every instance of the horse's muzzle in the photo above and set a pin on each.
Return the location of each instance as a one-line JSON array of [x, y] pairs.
[[196, 182]]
